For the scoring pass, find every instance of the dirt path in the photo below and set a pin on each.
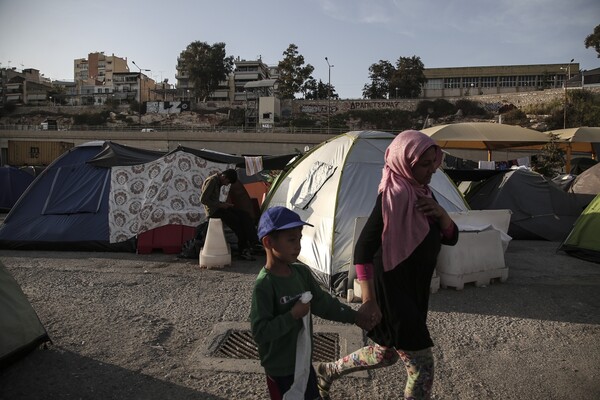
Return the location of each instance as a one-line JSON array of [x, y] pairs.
[[125, 327]]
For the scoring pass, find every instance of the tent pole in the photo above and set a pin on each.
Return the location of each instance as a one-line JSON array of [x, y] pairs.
[[568, 166], [489, 155]]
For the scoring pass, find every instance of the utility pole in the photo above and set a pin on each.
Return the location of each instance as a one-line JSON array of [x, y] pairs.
[[140, 90], [328, 95], [568, 71]]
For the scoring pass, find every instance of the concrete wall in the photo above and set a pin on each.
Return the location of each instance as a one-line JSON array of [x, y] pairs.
[[228, 142]]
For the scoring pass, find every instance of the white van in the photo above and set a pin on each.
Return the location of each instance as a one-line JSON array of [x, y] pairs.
[[148, 130]]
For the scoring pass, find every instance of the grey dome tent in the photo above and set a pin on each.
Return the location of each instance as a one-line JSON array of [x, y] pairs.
[[20, 328], [540, 209]]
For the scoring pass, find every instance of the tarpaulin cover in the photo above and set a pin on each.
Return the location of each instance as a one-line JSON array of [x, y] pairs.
[[162, 192]]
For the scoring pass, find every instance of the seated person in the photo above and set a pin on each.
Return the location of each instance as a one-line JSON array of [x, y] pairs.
[[236, 219]]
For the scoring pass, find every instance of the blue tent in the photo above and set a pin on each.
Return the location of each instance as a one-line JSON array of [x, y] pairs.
[[65, 208], [13, 182]]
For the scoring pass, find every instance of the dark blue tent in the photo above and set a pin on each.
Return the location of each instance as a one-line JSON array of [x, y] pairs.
[[13, 182], [66, 207]]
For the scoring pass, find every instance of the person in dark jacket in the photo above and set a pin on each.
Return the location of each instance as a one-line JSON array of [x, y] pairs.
[[395, 256], [236, 219]]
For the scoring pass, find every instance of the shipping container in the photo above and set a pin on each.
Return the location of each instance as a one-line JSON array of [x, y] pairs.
[[36, 153]]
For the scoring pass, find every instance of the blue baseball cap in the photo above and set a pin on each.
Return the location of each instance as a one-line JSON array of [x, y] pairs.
[[277, 219]]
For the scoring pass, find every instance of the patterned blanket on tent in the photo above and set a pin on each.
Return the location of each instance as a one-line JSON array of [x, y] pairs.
[[162, 192]]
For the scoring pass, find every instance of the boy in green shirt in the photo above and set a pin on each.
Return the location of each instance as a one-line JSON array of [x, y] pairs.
[[280, 319]]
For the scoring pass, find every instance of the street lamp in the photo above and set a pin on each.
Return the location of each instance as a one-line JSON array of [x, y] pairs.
[[140, 90], [328, 94], [566, 99]]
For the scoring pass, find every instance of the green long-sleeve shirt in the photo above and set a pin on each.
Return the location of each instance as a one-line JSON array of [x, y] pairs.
[[273, 327]]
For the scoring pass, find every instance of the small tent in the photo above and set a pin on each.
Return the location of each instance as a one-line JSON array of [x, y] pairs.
[[540, 209], [584, 239], [333, 184], [66, 206], [21, 330], [588, 182], [13, 182]]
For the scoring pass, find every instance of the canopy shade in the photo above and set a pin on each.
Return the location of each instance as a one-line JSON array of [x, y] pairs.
[[483, 136], [584, 139], [581, 139]]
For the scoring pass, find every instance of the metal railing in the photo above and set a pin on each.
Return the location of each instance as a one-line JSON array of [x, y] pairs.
[[181, 128]]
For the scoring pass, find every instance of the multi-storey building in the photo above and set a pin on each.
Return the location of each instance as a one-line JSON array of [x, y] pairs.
[[99, 67], [134, 86], [233, 88], [23, 87], [465, 81]]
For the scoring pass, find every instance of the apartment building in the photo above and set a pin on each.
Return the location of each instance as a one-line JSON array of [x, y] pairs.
[[468, 81], [23, 87], [99, 67], [233, 88]]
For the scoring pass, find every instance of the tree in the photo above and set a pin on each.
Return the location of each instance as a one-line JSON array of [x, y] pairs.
[[380, 74], [206, 66], [404, 80], [58, 93], [593, 40], [318, 91], [551, 159], [408, 78], [293, 74]]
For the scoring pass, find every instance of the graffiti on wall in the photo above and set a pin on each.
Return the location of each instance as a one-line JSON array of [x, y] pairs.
[[317, 109], [494, 106], [369, 105], [167, 107]]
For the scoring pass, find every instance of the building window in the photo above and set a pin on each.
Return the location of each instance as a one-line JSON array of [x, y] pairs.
[[489, 81], [526, 80], [508, 81], [470, 82], [434, 84], [451, 83]]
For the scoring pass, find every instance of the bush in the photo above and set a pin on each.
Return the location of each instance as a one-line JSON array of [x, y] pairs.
[[515, 117], [470, 107], [435, 109], [91, 119], [385, 120], [10, 106], [303, 121]]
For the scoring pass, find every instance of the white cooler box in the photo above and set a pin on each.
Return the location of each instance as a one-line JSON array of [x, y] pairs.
[[478, 257]]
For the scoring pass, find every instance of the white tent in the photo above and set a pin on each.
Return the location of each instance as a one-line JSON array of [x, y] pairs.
[[333, 184]]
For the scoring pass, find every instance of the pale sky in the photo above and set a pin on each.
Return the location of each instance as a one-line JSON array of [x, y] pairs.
[[49, 34]]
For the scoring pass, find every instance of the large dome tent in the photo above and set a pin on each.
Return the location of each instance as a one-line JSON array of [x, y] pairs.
[[330, 186]]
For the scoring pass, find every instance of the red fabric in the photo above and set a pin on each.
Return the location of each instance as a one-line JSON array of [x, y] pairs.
[[364, 272], [274, 392]]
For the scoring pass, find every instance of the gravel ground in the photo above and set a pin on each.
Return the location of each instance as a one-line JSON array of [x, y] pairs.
[[125, 326]]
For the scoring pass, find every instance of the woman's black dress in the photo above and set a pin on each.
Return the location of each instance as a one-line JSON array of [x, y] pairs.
[[402, 293]]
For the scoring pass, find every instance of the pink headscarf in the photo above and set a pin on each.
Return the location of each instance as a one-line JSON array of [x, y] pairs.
[[404, 227]]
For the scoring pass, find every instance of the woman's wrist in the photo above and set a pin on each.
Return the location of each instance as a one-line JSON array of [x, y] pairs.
[[364, 271]]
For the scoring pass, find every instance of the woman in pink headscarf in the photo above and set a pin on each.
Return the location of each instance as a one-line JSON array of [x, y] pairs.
[[395, 256]]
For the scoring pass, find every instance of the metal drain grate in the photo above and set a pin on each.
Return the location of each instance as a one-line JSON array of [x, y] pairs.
[[240, 344]]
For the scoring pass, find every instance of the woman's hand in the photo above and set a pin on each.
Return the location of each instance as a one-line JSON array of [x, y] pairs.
[[431, 208], [369, 315]]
